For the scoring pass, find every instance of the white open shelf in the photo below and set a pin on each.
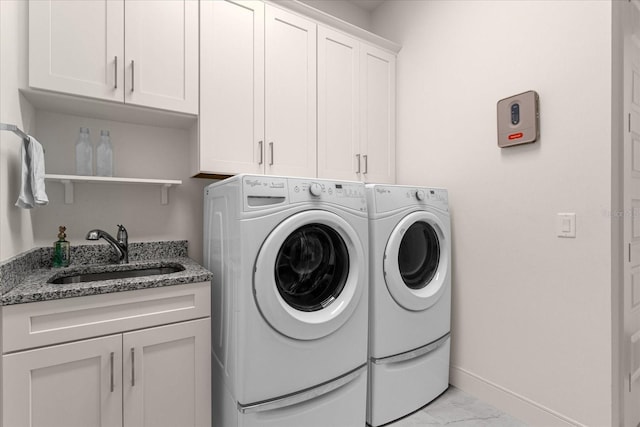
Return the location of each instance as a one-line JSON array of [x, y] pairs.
[[69, 180]]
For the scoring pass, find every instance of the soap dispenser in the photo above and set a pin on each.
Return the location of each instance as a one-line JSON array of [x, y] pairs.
[[61, 249]]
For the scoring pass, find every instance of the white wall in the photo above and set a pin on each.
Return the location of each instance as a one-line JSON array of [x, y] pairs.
[[140, 151], [531, 312], [15, 225], [16, 234]]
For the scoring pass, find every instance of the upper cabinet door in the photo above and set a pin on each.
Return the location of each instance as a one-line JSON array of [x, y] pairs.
[[339, 155], [378, 114], [161, 64], [77, 47], [290, 80], [232, 87]]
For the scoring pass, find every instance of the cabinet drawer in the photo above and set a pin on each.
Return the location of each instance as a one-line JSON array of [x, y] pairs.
[[52, 322]]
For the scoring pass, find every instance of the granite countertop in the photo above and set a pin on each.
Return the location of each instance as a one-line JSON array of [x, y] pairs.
[[25, 278]]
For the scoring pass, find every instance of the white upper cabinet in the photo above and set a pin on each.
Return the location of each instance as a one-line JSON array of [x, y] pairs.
[[290, 83], [80, 48], [378, 114], [161, 54], [283, 95], [232, 102], [77, 47], [356, 109], [258, 85], [339, 154]]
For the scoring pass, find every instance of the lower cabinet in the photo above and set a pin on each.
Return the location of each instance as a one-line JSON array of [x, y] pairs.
[[166, 375], [72, 385], [137, 358], [152, 377]]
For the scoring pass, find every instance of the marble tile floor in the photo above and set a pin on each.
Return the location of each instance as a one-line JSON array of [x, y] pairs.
[[458, 409]]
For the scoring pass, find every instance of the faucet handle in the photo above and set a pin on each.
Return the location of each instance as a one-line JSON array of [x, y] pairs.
[[122, 235]]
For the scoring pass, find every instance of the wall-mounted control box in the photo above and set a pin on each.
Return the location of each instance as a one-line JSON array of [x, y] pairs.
[[518, 119]]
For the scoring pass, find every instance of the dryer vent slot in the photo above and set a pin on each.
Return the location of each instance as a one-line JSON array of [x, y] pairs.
[[264, 200]]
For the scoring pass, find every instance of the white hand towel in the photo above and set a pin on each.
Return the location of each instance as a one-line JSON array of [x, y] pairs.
[[25, 199], [36, 154], [32, 188]]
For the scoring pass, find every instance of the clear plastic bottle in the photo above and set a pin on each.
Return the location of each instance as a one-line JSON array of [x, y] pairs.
[[84, 153], [104, 155]]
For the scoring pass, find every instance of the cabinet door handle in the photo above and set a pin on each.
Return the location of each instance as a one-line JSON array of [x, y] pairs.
[[132, 76], [260, 144], [133, 367], [115, 66], [112, 387], [358, 163], [271, 151], [366, 163]]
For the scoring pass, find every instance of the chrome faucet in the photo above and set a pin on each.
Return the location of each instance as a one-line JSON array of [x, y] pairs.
[[121, 245]]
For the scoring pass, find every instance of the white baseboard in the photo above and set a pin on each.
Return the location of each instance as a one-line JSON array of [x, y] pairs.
[[520, 407]]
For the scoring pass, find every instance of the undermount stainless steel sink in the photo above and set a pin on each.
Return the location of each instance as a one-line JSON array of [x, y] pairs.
[[123, 274]]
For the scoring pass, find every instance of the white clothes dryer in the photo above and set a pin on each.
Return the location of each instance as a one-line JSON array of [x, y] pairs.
[[409, 299], [289, 258]]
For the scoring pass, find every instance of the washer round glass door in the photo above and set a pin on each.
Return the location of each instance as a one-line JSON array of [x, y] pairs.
[[309, 277], [416, 261]]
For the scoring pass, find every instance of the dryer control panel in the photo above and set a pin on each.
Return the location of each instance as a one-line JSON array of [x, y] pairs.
[[390, 198]]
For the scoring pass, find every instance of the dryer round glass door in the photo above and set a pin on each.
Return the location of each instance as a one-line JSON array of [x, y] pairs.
[[310, 275], [416, 262], [419, 255]]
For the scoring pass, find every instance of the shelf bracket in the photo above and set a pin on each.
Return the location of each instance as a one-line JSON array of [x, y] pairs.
[[68, 191], [165, 193]]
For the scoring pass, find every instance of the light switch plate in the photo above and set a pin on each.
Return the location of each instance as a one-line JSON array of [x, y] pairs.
[[566, 225]]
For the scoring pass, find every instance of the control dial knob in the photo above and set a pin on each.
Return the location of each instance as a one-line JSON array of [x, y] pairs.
[[419, 195], [315, 190]]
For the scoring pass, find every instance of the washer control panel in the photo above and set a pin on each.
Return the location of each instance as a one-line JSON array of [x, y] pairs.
[[262, 191], [348, 194]]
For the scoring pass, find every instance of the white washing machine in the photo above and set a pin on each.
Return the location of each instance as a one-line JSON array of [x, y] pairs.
[[409, 300], [289, 258]]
